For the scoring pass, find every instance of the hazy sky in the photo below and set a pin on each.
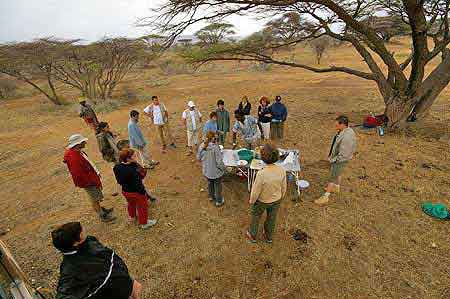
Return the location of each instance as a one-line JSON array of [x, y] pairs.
[[87, 19]]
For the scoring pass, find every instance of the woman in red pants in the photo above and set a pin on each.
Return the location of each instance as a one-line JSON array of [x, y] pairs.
[[129, 174]]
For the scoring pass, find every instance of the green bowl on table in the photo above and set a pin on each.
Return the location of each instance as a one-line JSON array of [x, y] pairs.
[[246, 155]]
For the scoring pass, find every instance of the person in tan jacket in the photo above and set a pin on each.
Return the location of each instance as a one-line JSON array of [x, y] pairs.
[[267, 192], [342, 150]]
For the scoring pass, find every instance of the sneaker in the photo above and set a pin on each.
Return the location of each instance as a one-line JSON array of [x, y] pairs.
[[322, 200], [249, 237], [173, 145], [149, 167], [150, 223], [220, 203], [266, 239]]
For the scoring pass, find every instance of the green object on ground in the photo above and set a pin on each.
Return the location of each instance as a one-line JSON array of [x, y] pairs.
[[246, 155], [437, 210]]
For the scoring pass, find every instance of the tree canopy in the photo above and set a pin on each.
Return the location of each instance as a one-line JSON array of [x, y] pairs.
[[404, 85]]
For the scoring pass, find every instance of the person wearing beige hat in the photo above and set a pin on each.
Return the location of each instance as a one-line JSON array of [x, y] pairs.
[[88, 114], [192, 119], [85, 175]]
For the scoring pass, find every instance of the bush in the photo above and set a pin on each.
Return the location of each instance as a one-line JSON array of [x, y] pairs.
[[8, 88], [260, 67], [170, 67]]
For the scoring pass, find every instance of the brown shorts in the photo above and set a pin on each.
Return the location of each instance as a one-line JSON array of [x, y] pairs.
[[336, 170], [95, 193]]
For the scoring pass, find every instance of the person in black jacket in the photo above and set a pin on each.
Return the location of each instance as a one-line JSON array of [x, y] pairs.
[[244, 106], [89, 269], [264, 117], [129, 174]]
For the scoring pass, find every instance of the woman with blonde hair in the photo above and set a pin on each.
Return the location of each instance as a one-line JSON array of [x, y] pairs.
[[244, 106], [210, 155]]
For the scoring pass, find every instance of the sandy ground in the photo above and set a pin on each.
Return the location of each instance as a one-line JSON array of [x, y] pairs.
[[372, 241]]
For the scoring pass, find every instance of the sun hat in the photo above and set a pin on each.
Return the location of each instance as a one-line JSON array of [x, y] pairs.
[[75, 140], [191, 104]]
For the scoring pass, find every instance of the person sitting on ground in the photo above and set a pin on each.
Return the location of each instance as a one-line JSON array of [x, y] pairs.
[[264, 117], [138, 141], [279, 116], [89, 269], [211, 125], [85, 175], [223, 121], [192, 119], [87, 113], [244, 106], [159, 116], [248, 128], [129, 174], [341, 152], [267, 192], [107, 143], [213, 167]]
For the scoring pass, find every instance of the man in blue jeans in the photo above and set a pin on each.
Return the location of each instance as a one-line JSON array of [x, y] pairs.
[[279, 116]]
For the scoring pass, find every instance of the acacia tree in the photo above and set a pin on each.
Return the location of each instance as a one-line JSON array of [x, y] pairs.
[[320, 45], [404, 90], [388, 26], [97, 68], [34, 63], [214, 33]]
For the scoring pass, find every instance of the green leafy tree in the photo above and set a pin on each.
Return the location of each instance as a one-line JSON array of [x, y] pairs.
[[215, 33]]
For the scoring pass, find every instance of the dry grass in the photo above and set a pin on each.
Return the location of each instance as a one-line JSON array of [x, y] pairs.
[[372, 241]]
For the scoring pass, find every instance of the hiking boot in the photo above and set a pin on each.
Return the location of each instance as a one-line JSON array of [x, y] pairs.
[[323, 200], [219, 203], [107, 211], [150, 223], [249, 237], [107, 217]]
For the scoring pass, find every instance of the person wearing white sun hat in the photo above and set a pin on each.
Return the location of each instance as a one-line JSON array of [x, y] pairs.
[[85, 175], [192, 119]]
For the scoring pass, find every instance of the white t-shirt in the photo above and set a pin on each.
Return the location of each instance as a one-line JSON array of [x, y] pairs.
[[192, 113], [157, 115]]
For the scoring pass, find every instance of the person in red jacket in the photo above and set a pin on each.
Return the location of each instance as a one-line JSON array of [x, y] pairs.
[[85, 175]]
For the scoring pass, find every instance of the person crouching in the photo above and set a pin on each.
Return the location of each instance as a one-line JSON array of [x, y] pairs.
[[213, 167], [129, 174]]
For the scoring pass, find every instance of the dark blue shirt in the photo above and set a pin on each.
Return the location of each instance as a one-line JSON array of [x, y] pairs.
[[279, 111]]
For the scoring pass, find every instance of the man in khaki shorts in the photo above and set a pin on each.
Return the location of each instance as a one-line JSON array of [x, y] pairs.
[[85, 175], [342, 149]]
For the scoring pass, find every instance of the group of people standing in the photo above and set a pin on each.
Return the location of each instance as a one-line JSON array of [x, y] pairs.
[[91, 270]]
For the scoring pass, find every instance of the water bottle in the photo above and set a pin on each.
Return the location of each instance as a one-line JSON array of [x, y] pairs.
[[380, 131]]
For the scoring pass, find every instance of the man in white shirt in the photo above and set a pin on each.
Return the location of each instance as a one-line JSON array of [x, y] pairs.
[[159, 116], [192, 119]]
